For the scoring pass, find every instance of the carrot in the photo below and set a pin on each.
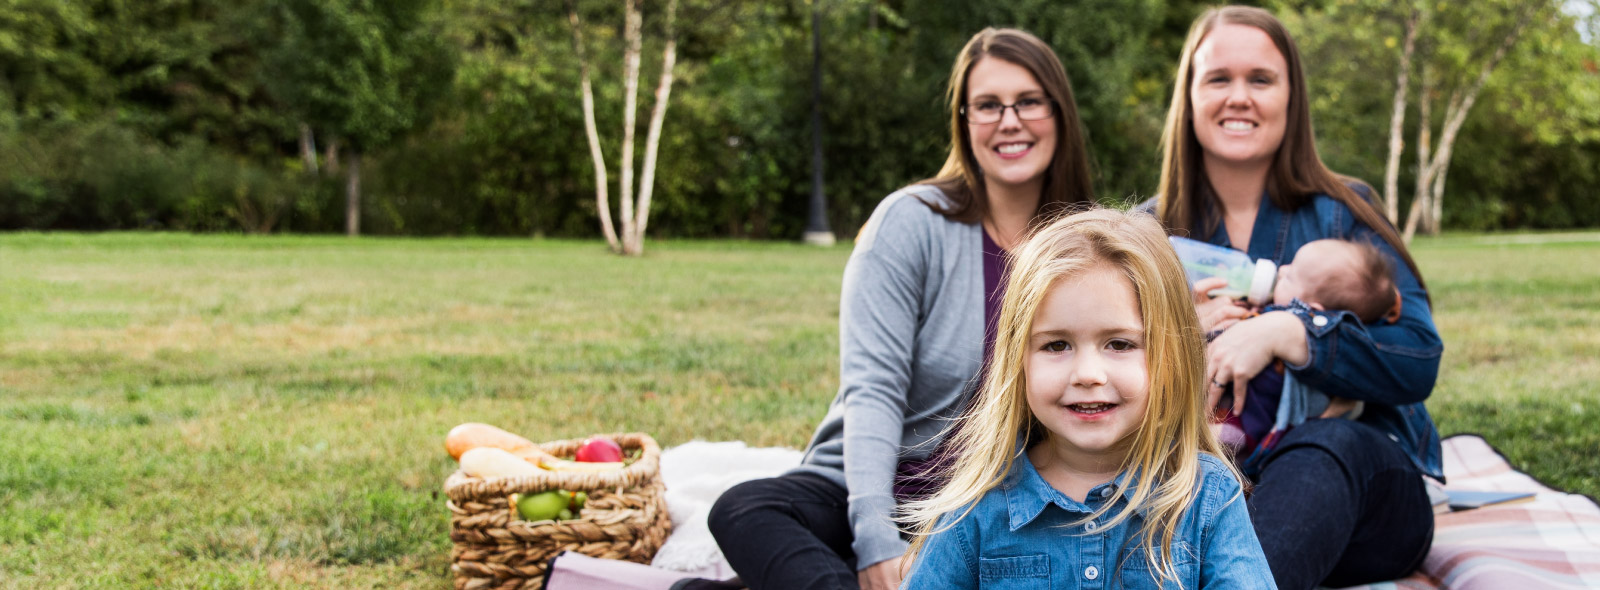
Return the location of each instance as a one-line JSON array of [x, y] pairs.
[[472, 435]]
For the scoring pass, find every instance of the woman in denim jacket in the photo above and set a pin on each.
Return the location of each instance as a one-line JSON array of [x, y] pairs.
[[1339, 502]]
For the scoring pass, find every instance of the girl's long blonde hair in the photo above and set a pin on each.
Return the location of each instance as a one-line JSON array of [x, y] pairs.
[[1164, 452]]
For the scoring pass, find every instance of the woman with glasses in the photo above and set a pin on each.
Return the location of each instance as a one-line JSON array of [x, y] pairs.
[[920, 296], [1337, 502]]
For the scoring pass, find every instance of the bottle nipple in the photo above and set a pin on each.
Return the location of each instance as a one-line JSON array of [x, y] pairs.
[[1261, 284]]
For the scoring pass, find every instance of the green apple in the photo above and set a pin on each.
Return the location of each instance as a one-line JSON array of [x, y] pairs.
[[541, 506]]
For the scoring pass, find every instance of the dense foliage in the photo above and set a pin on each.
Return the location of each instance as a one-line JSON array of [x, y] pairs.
[[186, 114]]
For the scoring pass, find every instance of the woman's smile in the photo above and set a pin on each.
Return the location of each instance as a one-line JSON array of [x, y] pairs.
[[1012, 153], [1013, 150], [1240, 96]]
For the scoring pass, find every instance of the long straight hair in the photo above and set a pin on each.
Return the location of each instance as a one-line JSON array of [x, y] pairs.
[[1067, 181], [1185, 201], [1164, 451]]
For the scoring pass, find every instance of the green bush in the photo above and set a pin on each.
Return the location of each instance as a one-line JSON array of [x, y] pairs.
[[100, 175]]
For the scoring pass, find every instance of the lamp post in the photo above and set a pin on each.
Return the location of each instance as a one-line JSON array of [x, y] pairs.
[[817, 232]]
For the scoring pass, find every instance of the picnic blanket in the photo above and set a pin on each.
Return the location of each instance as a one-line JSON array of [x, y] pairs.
[[1552, 541], [695, 474]]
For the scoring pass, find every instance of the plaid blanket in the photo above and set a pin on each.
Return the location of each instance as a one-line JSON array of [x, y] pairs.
[[1550, 542]]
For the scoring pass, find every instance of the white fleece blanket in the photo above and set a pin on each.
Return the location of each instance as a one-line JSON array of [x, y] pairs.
[[695, 474]]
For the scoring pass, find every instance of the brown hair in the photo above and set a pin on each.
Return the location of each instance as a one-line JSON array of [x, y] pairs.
[[1185, 201], [1370, 294], [1067, 179]]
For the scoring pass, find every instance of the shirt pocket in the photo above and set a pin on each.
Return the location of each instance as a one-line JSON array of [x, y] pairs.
[[1023, 572], [1135, 571]]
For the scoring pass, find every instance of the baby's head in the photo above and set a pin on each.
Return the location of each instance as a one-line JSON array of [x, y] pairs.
[[1339, 274]]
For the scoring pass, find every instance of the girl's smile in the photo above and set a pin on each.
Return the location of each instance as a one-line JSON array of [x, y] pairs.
[[1085, 368]]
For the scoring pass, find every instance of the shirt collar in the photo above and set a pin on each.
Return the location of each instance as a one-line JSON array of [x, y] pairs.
[[1027, 494]]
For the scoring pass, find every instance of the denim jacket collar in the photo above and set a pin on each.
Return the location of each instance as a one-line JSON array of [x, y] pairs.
[[1027, 494]]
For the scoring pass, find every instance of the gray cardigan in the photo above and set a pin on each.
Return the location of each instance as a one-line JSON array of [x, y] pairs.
[[910, 340]]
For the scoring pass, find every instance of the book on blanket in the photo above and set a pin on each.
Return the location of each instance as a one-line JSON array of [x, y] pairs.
[[1458, 500]]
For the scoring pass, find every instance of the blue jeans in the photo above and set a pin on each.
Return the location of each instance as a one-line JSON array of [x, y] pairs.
[[1339, 504], [791, 531]]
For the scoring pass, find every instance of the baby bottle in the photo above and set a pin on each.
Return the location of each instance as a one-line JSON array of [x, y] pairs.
[[1247, 279]]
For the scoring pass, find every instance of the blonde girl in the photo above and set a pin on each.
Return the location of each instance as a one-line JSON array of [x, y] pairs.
[[1086, 459]]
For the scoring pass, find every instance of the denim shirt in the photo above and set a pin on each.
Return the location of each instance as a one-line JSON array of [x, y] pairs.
[[1021, 536], [1391, 367]]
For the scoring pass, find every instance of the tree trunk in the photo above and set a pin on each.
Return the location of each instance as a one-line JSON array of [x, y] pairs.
[[1397, 119], [332, 159], [632, 22], [352, 196], [1424, 146], [308, 149], [1436, 218], [601, 198], [652, 138]]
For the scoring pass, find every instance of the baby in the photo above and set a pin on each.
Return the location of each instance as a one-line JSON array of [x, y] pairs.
[[1326, 274]]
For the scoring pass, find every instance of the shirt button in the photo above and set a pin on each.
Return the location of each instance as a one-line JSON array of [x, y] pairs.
[[1319, 321], [1106, 492], [1091, 573], [1091, 526]]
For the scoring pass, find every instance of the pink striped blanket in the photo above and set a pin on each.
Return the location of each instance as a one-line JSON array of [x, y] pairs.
[[1552, 541]]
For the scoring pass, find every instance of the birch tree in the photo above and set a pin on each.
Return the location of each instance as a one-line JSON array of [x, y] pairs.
[[1397, 118], [635, 214], [1427, 202]]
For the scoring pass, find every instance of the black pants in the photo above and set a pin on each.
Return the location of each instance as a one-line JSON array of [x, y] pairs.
[[1339, 504], [791, 531]]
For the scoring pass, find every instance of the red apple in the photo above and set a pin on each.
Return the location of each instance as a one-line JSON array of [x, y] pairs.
[[599, 449]]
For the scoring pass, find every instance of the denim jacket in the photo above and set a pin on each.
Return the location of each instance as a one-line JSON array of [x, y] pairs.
[[1021, 536], [1391, 367]]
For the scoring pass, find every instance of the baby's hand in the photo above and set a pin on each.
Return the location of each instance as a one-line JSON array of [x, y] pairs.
[[1339, 406]]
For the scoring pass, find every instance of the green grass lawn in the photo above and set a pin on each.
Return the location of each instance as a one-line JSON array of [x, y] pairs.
[[230, 412]]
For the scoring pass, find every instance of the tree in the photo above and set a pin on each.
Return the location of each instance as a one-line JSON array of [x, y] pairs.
[[365, 71], [1397, 119], [1534, 109], [635, 216], [1427, 202]]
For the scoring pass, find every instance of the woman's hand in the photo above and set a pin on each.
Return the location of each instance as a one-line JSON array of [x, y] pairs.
[[1216, 313], [1249, 346], [884, 575]]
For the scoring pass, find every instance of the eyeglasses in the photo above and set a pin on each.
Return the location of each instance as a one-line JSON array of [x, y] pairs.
[[990, 112]]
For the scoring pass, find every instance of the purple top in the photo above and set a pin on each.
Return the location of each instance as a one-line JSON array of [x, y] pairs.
[[914, 479]]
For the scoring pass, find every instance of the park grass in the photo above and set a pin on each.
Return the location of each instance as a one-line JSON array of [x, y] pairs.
[[244, 412]]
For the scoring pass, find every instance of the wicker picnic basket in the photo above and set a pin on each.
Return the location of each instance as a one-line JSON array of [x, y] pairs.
[[625, 518]]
